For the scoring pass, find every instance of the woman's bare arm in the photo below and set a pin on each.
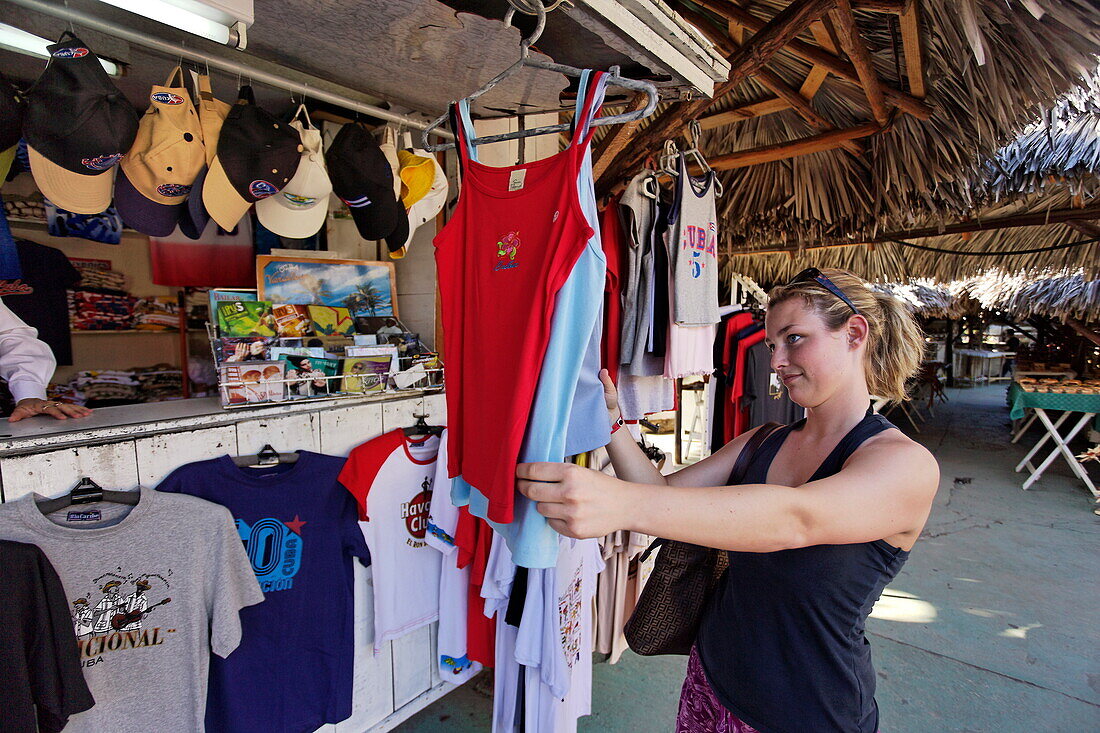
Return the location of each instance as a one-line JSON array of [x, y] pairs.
[[882, 491]]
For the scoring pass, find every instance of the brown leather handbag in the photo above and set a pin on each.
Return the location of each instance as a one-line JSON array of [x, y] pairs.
[[670, 608]]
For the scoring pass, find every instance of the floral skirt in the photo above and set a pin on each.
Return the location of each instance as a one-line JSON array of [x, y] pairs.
[[700, 711]]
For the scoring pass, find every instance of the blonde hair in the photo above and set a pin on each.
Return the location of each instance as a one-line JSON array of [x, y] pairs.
[[895, 343]]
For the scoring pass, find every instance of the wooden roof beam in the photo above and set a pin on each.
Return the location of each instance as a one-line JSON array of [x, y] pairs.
[[815, 55], [1013, 221], [912, 49], [853, 45], [882, 6], [769, 38], [615, 140], [804, 146], [786, 97]]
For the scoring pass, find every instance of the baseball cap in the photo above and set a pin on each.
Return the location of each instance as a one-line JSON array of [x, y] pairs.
[[299, 210], [417, 174], [257, 157], [11, 115], [428, 206], [78, 126], [362, 179], [156, 176], [212, 113]]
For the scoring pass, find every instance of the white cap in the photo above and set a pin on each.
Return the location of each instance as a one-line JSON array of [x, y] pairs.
[[298, 211], [431, 204]]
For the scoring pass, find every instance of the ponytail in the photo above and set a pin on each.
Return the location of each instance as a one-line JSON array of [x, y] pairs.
[[896, 354]]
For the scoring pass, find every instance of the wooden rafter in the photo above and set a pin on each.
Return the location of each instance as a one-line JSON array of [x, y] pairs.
[[803, 146], [882, 6], [853, 45], [912, 49], [815, 55], [1013, 221], [616, 139], [769, 38], [786, 97]]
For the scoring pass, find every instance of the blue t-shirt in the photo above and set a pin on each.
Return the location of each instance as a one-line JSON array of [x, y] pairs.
[[293, 669]]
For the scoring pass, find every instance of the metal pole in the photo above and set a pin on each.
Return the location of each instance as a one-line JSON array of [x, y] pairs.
[[174, 50]]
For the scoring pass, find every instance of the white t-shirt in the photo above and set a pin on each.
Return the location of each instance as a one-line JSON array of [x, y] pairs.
[[555, 638], [454, 665], [391, 478]]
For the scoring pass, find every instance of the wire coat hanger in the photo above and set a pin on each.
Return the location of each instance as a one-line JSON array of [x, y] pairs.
[[525, 61]]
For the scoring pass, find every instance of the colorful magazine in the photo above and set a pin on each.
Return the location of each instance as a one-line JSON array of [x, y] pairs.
[[291, 321], [306, 376], [251, 382], [365, 374], [242, 348], [331, 320], [243, 318]]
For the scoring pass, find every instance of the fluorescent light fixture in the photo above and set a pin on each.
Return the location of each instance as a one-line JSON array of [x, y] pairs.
[[20, 41], [190, 16]]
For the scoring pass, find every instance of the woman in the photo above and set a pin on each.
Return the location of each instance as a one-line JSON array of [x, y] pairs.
[[829, 511]]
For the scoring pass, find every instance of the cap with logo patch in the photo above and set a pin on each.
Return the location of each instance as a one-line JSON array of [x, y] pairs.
[[257, 157], [78, 126], [156, 176], [299, 210], [362, 178]]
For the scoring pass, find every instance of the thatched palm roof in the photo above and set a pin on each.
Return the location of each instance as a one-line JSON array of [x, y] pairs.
[[990, 66]]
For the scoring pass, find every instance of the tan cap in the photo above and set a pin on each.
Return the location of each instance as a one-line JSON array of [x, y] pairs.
[[212, 114], [74, 192], [166, 157], [299, 210]]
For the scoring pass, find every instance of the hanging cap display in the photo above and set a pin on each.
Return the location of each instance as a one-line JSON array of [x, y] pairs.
[[429, 204], [212, 114], [257, 157], [156, 176], [299, 210], [362, 179], [78, 126], [417, 174], [11, 125]]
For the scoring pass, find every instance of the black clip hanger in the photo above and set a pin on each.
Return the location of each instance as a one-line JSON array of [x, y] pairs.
[[88, 492], [267, 456], [421, 427]]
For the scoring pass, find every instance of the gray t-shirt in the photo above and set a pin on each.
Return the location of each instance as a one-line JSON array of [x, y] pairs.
[[152, 590], [693, 235]]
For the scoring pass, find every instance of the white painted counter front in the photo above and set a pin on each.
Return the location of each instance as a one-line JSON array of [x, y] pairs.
[[123, 447]]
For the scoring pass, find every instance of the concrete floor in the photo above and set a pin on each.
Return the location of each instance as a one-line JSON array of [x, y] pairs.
[[993, 624]]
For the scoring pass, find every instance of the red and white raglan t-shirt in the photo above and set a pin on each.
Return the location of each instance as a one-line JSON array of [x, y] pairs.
[[391, 478]]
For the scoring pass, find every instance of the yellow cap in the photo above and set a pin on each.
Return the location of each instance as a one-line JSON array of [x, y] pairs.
[[417, 173]]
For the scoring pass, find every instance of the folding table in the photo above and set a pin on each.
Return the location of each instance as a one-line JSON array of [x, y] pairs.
[[1087, 406]]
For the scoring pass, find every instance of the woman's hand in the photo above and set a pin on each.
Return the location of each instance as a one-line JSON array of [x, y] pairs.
[[578, 502], [59, 410], [610, 395]]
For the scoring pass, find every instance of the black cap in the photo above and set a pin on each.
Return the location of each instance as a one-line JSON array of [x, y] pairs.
[[257, 156], [77, 122], [395, 240], [11, 115], [193, 217], [362, 178]]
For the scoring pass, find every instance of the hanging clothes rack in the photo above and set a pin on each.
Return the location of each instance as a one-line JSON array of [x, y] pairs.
[[525, 61]]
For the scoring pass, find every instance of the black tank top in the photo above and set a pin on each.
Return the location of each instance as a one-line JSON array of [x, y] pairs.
[[782, 642]]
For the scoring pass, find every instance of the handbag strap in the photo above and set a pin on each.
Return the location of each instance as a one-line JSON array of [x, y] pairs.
[[740, 468], [748, 452]]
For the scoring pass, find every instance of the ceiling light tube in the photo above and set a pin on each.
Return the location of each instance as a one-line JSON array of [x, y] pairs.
[[188, 16], [20, 41]]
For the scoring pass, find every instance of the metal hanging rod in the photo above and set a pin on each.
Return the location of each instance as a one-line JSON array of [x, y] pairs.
[[175, 50]]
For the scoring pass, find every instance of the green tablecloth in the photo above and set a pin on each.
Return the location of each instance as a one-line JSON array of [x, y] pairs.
[[1019, 400]]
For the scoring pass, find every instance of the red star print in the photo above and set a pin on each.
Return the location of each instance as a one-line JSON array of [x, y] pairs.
[[296, 525]]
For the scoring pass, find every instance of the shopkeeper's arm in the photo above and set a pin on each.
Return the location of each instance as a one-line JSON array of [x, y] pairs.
[[27, 364]]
